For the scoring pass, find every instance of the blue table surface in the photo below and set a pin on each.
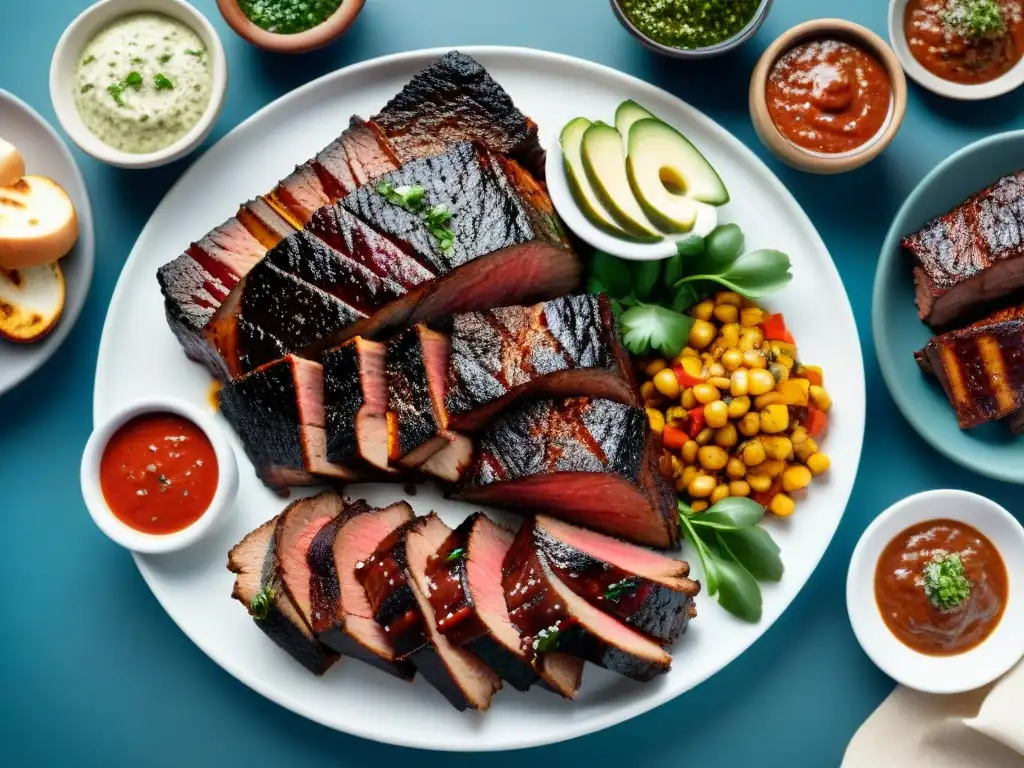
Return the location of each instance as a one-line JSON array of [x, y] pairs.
[[93, 671]]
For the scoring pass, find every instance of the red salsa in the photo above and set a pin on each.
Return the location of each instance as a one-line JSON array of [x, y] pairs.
[[828, 96], [159, 473]]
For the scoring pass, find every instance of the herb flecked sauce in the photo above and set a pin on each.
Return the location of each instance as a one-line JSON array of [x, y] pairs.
[[288, 17], [690, 23]]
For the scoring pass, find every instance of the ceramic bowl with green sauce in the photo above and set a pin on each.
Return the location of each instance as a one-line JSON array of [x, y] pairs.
[[290, 26], [691, 29]]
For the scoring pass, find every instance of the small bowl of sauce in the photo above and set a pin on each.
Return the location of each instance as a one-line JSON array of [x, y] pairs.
[[138, 83], [158, 476], [290, 26], [684, 29], [962, 49], [930, 591], [828, 96]]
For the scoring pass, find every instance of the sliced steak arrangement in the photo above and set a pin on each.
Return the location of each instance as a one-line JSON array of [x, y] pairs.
[[972, 256], [356, 403], [588, 460], [341, 614]]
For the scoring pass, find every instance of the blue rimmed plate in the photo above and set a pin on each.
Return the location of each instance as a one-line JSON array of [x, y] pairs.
[[898, 332]]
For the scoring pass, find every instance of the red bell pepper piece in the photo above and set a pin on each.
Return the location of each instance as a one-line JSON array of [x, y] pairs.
[[697, 421], [817, 421], [775, 329], [673, 438], [764, 498], [685, 379]]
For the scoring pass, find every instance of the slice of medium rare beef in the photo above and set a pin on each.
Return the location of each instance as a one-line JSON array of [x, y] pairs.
[[332, 168], [258, 587], [552, 618], [563, 347], [451, 462], [277, 412], [644, 589], [298, 195], [458, 674], [452, 99], [356, 402], [973, 256], [588, 460], [341, 614], [468, 601], [370, 153], [414, 370]]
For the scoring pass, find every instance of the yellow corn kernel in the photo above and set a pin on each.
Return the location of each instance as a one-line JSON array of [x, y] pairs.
[[675, 415], [688, 352], [706, 393], [687, 400], [794, 391], [726, 313], [665, 381], [730, 335], [754, 453], [701, 486], [713, 458], [721, 492], [813, 371], [775, 419], [704, 436], [687, 476], [735, 468], [727, 436], [716, 414], [658, 364], [805, 450], [796, 478], [754, 358], [770, 398], [783, 348], [778, 371], [707, 359], [776, 446], [798, 435], [693, 367], [772, 467], [785, 360], [739, 382], [739, 488], [647, 391], [751, 339], [729, 297], [739, 406], [750, 424], [820, 398], [818, 463], [732, 359], [751, 316], [721, 382], [760, 382], [759, 482], [703, 310], [656, 419], [716, 369], [781, 505], [702, 333], [689, 451], [699, 506]]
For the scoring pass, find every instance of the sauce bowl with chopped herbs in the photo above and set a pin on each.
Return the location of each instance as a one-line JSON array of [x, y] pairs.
[[138, 83], [290, 26], [931, 591], [689, 29]]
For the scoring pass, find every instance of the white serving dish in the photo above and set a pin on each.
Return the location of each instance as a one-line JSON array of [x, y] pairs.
[[62, 76], [938, 674], [147, 543], [195, 587]]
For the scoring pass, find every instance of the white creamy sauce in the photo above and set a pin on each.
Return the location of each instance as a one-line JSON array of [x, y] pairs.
[[143, 82]]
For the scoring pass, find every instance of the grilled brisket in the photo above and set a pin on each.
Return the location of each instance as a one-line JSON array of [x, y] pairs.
[[971, 256], [416, 362], [356, 403], [588, 460]]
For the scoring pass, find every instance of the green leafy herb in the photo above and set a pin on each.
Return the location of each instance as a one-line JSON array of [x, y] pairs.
[[407, 196], [88, 59], [161, 82], [547, 640], [435, 219], [974, 18], [137, 60], [754, 274], [455, 555], [115, 90], [86, 88], [734, 551], [620, 588], [946, 583], [261, 602], [198, 53], [412, 198], [133, 80], [163, 58], [648, 326], [612, 274], [645, 278]]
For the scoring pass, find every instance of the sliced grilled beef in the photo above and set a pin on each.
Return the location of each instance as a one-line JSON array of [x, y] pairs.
[[341, 614], [588, 460], [451, 462], [332, 168], [971, 256], [461, 676], [981, 367], [258, 587], [468, 600], [416, 362], [298, 195], [566, 346], [454, 99], [370, 153], [356, 402], [551, 617], [646, 590], [278, 413]]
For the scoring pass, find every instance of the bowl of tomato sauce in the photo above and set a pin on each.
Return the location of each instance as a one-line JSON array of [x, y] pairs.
[[158, 475]]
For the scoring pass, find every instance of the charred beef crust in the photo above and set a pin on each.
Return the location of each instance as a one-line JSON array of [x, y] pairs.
[[409, 402], [452, 99], [343, 397], [255, 346]]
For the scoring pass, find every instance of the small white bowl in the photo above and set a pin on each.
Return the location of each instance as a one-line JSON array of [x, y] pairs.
[[576, 220], [148, 543], [939, 674], [1005, 83], [62, 77]]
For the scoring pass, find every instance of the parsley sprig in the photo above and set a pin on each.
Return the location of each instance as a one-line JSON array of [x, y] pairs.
[[974, 18], [459, 553], [620, 588], [412, 198], [132, 80], [945, 582], [261, 601]]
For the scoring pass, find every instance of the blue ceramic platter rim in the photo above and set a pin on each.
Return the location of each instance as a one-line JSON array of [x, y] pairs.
[[990, 449]]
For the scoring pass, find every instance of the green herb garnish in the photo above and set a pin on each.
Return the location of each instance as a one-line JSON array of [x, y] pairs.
[[88, 59], [198, 53], [262, 601], [974, 18], [945, 582], [734, 551], [620, 588], [435, 219], [115, 90], [161, 82], [412, 198], [408, 196], [137, 60], [163, 58], [134, 80], [455, 555], [547, 640], [648, 327], [86, 88]]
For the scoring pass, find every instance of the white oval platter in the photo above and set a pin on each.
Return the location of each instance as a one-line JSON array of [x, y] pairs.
[[139, 357]]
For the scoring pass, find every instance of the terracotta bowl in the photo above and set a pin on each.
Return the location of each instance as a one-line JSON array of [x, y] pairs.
[[822, 162], [317, 37]]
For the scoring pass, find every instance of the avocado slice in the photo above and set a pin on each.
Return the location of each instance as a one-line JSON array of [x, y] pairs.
[[571, 140], [605, 166], [627, 113]]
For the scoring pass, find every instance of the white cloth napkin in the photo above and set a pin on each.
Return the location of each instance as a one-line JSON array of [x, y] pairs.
[[979, 729]]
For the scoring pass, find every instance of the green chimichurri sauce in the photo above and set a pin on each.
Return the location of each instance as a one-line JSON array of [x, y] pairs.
[[287, 17], [690, 23]]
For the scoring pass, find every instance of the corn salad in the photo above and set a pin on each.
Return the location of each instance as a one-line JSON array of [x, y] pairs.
[[738, 415]]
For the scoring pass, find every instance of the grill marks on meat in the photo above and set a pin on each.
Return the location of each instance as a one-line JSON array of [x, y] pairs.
[[551, 617], [971, 256], [298, 195], [416, 363], [567, 346], [588, 460], [455, 99], [981, 367], [644, 589], [356, 403], [278, 413]]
